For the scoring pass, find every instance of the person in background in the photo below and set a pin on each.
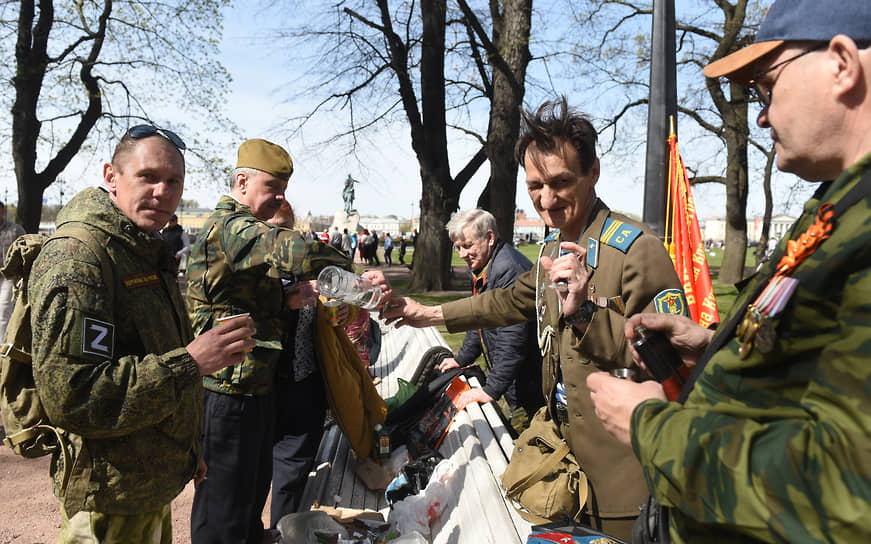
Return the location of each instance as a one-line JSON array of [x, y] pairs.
[[373, 249], [388, 249], [336, 238], [363, 246], [177, 239], [771, 439], [511, 353], [353, 244], [9, 231], [403, 244], [346, 243]]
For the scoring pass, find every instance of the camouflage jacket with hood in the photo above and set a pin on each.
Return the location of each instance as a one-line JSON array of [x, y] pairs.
[[110, 364]]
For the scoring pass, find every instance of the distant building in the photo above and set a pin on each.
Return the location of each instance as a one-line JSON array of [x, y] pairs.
[[389, 224], [529, 230], [715, 228]]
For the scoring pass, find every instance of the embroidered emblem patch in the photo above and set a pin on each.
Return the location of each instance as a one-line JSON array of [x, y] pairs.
[[671, 301], [98, 337], [618, 234], [141, 280]]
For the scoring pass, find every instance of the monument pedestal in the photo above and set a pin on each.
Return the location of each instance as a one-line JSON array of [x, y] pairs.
[[343, 220]]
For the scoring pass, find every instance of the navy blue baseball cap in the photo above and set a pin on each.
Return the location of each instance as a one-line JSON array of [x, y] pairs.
[[796, 20]]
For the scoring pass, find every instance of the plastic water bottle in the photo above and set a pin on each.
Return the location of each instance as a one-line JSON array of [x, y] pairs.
[[339, 286]]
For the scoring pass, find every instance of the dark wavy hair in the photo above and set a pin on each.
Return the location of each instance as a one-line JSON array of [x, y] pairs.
[[553, 124]]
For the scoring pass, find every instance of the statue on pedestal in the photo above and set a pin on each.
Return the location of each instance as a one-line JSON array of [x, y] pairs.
[[348, 194]]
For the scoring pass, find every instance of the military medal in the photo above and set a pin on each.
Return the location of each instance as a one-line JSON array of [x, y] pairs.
[[766, 336], [757, 328]]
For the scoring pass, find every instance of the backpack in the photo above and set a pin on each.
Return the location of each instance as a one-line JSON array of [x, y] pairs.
[[29, 432]]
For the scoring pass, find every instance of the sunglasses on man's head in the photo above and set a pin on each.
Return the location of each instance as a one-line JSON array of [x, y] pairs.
[[144, 131]]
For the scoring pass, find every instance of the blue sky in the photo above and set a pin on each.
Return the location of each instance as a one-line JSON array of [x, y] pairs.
[[384, 164]]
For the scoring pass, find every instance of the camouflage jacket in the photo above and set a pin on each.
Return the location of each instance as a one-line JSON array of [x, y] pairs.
[[110, 364], [777, 447], [629, 263], [236, 266]]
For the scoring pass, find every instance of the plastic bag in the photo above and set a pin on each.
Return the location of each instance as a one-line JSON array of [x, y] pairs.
[[404, 392], [419, 512]]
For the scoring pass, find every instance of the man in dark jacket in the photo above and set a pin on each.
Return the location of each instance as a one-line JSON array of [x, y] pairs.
[[511, 353], [176, 239]]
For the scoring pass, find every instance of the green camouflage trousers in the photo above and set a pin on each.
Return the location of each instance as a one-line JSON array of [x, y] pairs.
[[97, 528]]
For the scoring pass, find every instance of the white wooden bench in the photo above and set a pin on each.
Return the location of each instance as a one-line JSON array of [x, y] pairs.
[[478, 445]]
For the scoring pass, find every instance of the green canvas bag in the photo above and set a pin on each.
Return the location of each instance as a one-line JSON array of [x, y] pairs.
[[543, 478], [29, 432]]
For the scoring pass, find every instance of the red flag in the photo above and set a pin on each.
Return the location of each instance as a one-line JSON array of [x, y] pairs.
[[687, 250]]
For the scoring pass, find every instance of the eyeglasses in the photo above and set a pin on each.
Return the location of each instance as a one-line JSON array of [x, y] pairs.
[[763, 93], [144, 131]]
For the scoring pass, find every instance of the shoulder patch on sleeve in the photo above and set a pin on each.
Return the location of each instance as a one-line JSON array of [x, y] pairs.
[[671, 301], [98, 337], [554, 234], [618, 234]]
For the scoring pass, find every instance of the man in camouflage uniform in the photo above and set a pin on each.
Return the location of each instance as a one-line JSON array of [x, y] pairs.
[[114, 360], [773, 441], [594, 270], [236, 266]]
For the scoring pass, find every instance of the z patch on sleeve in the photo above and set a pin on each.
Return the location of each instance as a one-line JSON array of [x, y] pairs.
[[98, 337], [671, 301]]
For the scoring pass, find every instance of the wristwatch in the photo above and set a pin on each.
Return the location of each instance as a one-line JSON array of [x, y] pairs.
[[584, 314]]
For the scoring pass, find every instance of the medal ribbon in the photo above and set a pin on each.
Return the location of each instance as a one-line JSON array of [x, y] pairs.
[[799, 250]]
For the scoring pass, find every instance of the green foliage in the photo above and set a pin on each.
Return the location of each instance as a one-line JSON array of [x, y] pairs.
[[157, 61]]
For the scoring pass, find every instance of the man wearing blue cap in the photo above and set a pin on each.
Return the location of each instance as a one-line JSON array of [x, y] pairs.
[[771, 440]]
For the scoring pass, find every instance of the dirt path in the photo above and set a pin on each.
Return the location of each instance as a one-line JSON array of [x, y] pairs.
[[29, 512]]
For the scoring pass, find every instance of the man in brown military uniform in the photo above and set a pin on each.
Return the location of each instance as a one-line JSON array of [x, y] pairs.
[[596, 269]]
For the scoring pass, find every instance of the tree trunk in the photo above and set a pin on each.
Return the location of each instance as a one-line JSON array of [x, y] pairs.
[[511, 39], [439, 199], [32, 60], [732, 269]]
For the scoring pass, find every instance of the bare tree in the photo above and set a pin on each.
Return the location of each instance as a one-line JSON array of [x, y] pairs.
[[405, 47], [507, 58], [102, 65], [706, 32]]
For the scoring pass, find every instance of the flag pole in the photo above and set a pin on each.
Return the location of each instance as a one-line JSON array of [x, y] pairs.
[[662, 104]]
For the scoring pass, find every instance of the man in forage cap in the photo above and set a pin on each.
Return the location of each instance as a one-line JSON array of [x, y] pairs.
[[236, 267]]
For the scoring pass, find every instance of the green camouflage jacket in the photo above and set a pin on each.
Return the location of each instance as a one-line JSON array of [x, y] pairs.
[[110, 364], [626, 261], [234, 267], [777, 447]]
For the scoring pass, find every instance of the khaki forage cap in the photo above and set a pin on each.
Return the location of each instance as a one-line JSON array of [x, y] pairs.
[[265, 156]]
